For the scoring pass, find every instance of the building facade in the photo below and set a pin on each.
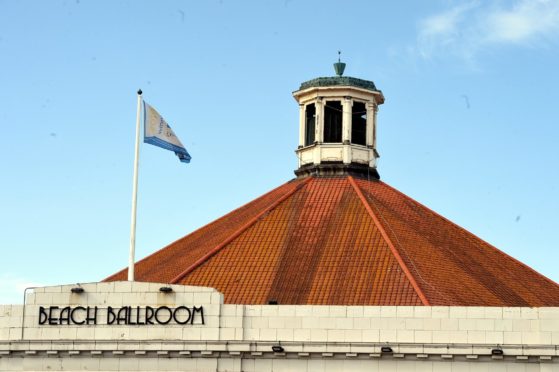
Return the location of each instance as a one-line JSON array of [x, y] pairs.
[[134, 326]]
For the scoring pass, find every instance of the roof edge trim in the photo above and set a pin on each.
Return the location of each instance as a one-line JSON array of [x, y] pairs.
[[242, 229], [476, 236], [395, 252]]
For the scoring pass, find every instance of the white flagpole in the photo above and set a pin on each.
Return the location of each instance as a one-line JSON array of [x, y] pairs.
[[135, 193]]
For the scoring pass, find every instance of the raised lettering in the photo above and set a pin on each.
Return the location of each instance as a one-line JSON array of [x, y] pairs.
[[65, 315], [73, 319], [122, 315], [91, 319], [169, 311], [43, 316], [125, 315], [111, 316], [129, 316], [138, 321], [149, 315], [197, 310], [52, 319], [176, 317]]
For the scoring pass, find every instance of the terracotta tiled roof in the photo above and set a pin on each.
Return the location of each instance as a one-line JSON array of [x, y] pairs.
[[344, 241]]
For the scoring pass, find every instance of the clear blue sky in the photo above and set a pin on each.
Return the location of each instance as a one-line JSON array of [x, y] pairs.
[[469, 127]]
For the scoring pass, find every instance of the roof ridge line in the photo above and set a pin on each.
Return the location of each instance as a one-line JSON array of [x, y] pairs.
[[242, 229], [469, 232], [198, 229], [391, 245]]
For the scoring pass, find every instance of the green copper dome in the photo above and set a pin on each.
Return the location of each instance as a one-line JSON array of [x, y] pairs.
[[339, 81]]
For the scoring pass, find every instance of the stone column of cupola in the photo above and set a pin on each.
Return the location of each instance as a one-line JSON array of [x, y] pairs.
[[371, 133], [319, 129], [375, 110], [347, 105], [319, 121], [302, 125], [370, 107]]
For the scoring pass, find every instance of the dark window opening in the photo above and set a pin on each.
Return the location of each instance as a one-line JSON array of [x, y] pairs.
[[310, 122], [359, 124], [333, 121]]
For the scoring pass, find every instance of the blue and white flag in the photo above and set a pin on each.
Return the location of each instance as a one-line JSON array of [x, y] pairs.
[[157, 132]]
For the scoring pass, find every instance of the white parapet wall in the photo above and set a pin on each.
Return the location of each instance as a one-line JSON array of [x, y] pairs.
[[136, 326]]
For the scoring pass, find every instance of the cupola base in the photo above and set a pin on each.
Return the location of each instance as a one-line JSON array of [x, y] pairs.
[[337, 169]]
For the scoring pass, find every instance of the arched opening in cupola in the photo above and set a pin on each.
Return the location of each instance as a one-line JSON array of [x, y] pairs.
[[310, 124], [359, 124], [333, 122]]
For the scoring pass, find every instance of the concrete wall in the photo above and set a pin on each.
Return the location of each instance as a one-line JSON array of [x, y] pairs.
[[240, 337]]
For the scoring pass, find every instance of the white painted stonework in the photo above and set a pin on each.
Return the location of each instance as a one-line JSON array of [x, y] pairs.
[[344, 152], [240, 337]]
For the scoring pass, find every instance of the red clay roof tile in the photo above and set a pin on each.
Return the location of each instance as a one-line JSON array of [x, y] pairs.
[[344, 241]]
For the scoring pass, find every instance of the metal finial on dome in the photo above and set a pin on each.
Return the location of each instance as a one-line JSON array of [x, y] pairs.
[[339, 66]]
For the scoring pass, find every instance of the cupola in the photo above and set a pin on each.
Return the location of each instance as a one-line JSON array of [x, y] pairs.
[[337, 125]]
